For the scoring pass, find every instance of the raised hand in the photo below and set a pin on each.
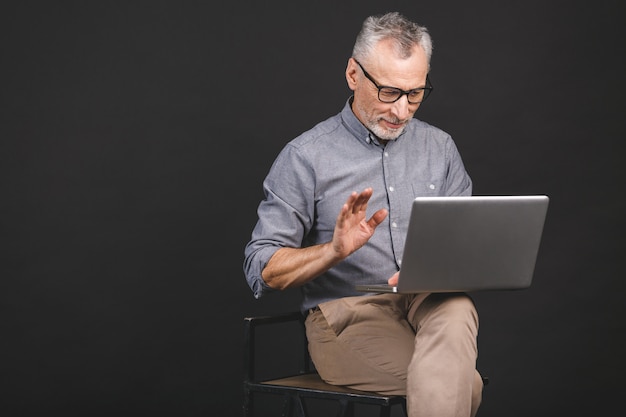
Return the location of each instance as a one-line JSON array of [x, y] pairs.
[[353, 229]]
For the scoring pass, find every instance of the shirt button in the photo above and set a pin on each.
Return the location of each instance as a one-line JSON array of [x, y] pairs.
[[386, 153], [399, 261], [431, 186], [394, 224], [391, 189]]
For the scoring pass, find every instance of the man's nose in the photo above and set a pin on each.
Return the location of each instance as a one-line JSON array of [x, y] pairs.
[[402, 108]]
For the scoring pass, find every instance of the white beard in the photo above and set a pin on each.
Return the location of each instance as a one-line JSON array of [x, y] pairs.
[[385, 134]]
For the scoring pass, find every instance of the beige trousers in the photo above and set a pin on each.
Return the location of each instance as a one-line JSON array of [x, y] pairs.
[[422, 346]]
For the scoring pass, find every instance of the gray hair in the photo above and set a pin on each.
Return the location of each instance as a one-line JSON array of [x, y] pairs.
[[394, 26]]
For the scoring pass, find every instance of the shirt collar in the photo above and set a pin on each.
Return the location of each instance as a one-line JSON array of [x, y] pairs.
[[354, 125]]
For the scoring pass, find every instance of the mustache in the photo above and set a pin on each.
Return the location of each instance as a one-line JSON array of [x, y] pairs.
[[396, 121]]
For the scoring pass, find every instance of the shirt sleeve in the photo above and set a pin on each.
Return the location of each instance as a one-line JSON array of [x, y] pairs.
[[285, 215], [458, 181]]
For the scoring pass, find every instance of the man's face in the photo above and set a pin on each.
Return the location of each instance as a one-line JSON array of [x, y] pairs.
[[386, 120]]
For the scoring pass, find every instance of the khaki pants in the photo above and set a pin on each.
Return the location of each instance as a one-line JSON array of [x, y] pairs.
[[422, 346]]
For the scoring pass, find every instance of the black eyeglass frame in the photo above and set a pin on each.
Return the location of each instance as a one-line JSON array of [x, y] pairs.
[[427, 89]]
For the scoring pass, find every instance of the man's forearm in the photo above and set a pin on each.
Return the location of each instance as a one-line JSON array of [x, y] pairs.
[[293, 267]]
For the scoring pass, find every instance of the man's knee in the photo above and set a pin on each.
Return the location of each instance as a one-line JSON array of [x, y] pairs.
[[452, 311], [460, 306], [452, 304]]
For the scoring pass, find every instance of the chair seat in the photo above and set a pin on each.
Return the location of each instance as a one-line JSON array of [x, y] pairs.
[[295, 389], [312, 385]]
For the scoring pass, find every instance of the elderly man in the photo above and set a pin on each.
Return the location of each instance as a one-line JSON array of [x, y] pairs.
[[315, 231]]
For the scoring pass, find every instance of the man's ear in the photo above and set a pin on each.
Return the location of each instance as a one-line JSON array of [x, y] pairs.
[[351, 73]]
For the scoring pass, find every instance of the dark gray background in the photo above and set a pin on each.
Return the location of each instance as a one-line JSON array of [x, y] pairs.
[[134, 137]]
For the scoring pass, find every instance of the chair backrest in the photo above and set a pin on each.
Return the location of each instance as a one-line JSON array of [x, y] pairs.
[[250, 341]]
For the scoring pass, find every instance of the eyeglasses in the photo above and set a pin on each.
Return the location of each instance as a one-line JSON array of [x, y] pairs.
[[392, 94]]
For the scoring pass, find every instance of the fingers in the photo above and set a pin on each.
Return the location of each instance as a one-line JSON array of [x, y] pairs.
[[393, 281], [357, 202], [377, 218]]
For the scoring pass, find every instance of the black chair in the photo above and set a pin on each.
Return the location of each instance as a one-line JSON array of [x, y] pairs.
[[304, 384]]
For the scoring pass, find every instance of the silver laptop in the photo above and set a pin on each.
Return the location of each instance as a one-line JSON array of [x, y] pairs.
[[470, 243]]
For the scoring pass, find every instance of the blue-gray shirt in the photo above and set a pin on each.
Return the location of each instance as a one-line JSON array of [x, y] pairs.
[[312, 178]]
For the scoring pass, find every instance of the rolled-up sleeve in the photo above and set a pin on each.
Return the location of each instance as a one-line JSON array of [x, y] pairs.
[[285, 215]]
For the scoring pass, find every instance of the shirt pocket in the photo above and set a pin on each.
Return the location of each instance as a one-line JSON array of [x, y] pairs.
[[429, 188]]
